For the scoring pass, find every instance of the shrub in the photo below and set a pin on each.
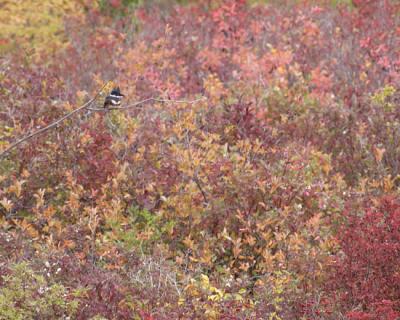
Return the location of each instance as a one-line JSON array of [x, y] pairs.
[[365, 273], [25, 294]]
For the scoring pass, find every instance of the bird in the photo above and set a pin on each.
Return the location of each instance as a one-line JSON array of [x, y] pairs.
[[114, 98]]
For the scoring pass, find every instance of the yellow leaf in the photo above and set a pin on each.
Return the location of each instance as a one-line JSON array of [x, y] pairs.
[[179, 260], [274, 186], [236, 248], [188, 243], [206, 258], [49, 212], [378, 153], [181, 301], [388, 183], [315, 220], [27, 227], [39, 198], [205, 282], [251, 240], [7, 204], [244, 266], [326, 167], [70, 244]]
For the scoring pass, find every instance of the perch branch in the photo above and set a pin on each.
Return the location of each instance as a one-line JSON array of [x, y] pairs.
[[144, 101], [86, 106], [51, 125]]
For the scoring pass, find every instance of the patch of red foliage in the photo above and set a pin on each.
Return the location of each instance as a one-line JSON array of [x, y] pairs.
[[366, 276]]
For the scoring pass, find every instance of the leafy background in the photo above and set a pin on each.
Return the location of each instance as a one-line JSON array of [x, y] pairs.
[[266, 187]]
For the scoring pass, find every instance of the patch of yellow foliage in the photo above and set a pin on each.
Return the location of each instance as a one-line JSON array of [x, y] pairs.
[[34, 23]]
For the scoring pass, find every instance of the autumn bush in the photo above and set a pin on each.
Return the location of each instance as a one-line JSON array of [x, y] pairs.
[[364, 280], [260, 182]]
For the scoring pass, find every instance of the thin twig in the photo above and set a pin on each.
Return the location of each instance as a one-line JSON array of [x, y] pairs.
[[195, 178], [179, 101], [144, 101], [197, 181], [52, 125]]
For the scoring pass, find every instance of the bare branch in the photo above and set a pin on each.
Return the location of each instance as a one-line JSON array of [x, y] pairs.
[[179, 101], [53, 124], [147, 100], [197, 181]]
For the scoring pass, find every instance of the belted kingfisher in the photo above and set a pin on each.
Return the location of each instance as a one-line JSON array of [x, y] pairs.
[[114, 98]]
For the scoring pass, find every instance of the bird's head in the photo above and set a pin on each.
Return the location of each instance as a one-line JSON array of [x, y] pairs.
[[116, 92]]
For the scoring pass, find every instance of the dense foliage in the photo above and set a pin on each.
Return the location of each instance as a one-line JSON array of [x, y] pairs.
[[262, 183]]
